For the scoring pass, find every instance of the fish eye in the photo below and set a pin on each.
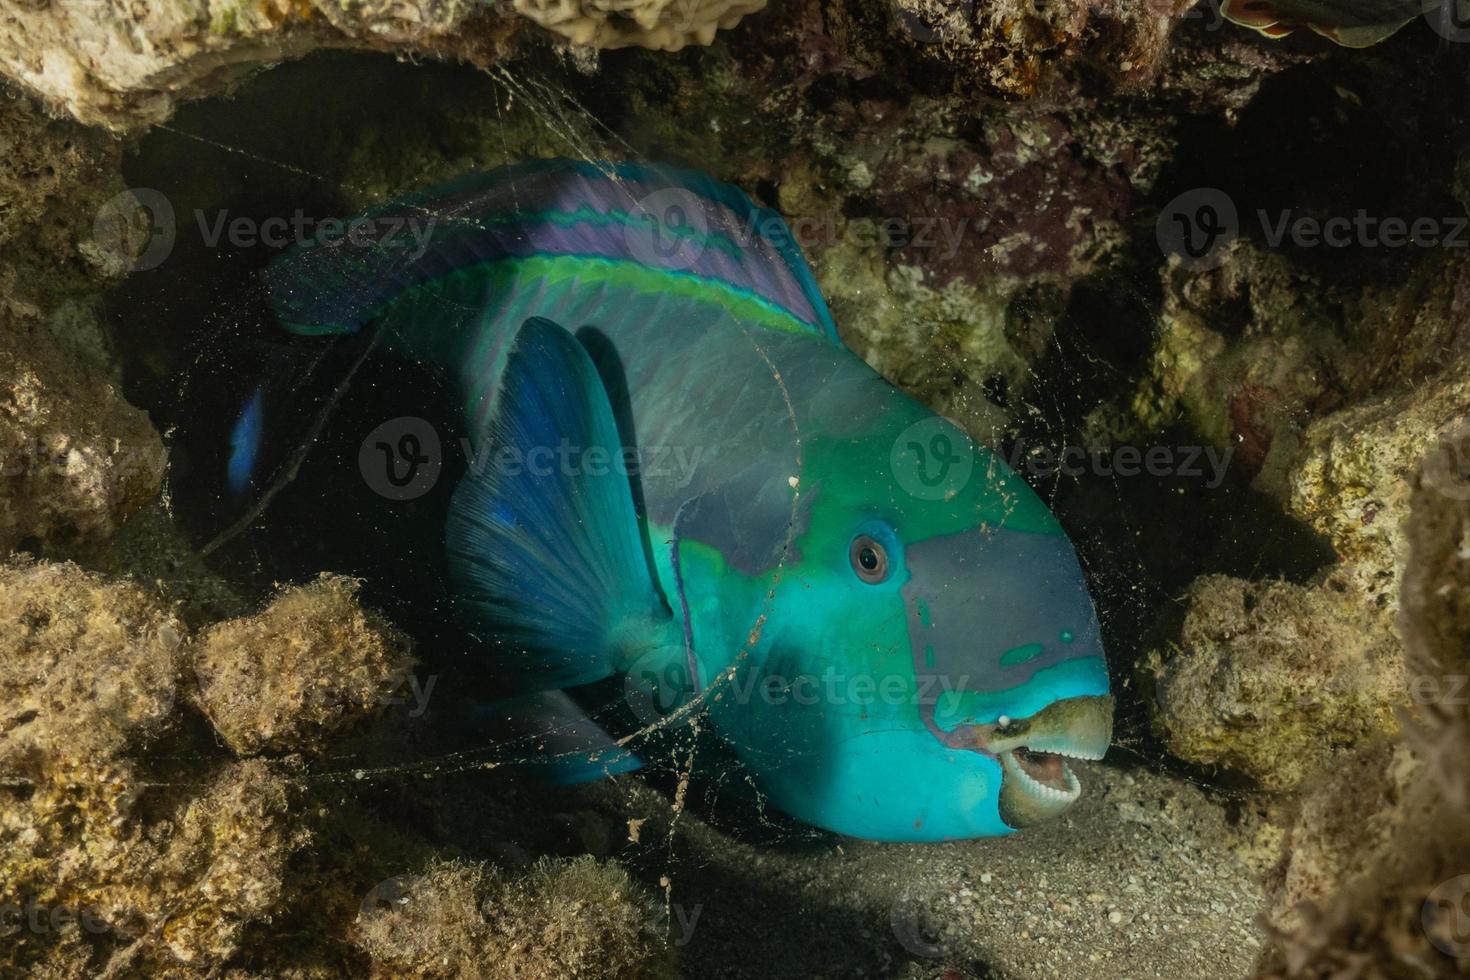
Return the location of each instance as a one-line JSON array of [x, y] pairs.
[[869, 559]]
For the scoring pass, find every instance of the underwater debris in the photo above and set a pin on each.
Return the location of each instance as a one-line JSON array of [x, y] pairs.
[[312, 666]]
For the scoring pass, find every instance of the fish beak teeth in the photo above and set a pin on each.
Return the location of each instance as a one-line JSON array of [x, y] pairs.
[[1079, 728], [1036, 782]]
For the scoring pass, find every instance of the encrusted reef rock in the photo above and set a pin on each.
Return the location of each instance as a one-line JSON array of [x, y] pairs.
[[1329, 398], [95, 845], [118, 64], [131, 844], [75, 458], [1273, 679], [1007, 46], [663, 24], [311, 666], [90, 667], [1380, 853], [563, 919]]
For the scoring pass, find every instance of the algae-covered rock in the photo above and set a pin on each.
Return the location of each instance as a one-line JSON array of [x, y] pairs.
[[1351, 478], [311, 666], [76, 459], [43, 162], [91, 836], [1008, 46], [1384, 862], [1274, 679], [88, 668], [666, 25], [573, 918], [116, 64]]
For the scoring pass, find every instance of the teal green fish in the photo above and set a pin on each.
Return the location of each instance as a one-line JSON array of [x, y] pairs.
[[682, 478]]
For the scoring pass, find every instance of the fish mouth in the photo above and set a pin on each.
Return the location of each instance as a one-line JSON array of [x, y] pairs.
[[1036, 783]]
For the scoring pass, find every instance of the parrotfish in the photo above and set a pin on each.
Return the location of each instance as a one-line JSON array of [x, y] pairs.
[[1350, 23], [885, 623]]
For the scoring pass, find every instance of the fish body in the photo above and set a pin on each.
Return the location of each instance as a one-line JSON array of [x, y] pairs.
[[681, 477], [1349, 23]]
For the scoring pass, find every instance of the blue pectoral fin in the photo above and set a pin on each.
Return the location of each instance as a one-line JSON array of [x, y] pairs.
[[545, 549], [549, 734]]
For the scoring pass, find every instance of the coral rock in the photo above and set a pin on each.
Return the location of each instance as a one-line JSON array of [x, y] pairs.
[[119, 64], [88, 668], [1273, 679], [313, 664], [75, 458], [575, 918], [1384, 863], [665, 25]]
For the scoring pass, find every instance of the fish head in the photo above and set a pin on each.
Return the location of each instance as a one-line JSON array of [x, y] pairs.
[[953, 656]]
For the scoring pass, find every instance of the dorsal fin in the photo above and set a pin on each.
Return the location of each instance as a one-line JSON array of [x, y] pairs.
[[665, 224]]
